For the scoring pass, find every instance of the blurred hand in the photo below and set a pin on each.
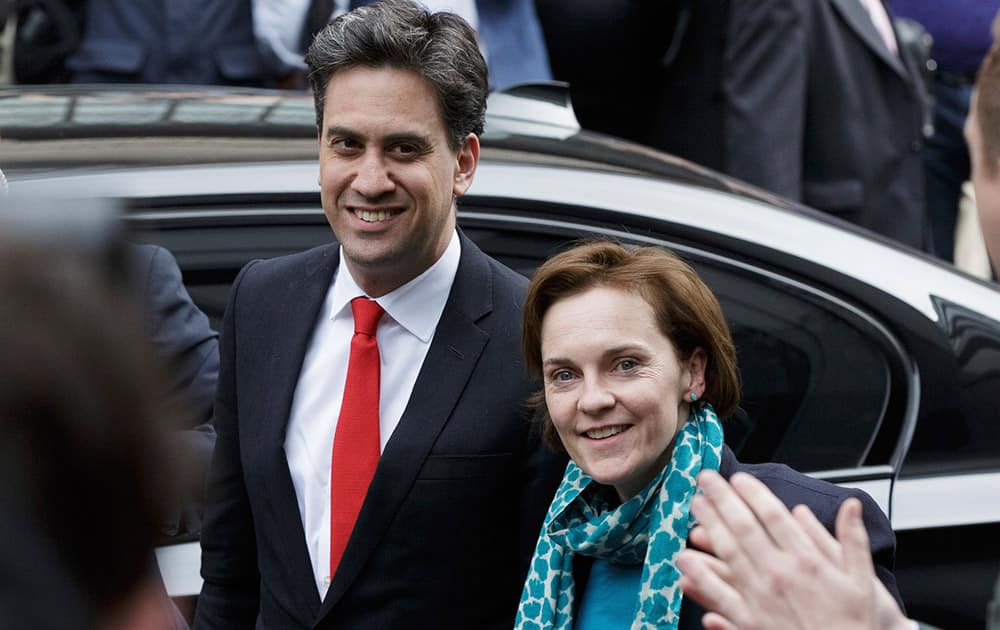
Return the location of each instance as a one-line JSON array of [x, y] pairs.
[[774, 569]]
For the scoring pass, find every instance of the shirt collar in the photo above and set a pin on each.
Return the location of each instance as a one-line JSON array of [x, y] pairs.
[[417, 305]]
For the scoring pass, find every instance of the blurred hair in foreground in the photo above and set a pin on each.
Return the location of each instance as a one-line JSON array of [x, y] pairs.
[[81, 467]]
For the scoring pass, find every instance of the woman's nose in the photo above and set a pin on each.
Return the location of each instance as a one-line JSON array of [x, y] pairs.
[[595, 396]]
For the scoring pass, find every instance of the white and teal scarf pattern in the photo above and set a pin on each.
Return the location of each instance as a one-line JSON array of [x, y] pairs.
[[651, 527]]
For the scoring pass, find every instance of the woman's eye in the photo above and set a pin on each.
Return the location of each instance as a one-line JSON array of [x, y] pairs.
[[562, 376], [627, 364]]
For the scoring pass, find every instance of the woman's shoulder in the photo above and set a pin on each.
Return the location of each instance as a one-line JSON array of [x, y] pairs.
[[824, 499], [795, 488]]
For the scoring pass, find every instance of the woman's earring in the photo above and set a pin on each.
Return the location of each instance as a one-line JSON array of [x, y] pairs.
[[693, 396]]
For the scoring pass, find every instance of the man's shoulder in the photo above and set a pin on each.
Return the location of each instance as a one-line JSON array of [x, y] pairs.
[[261, 272], [509, 279], [485, 271]]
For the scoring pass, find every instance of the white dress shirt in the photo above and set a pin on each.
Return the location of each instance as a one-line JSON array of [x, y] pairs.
[[404, 335], [277, 28], [882, 22]]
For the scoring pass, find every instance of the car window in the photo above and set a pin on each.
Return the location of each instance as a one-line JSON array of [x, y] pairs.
[[815, 386], [958, 431]]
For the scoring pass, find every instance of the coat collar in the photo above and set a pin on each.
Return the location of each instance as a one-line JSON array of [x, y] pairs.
[[858, 19]]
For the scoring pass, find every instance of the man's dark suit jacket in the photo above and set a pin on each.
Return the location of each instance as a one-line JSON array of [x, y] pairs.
[[184, 341], [456, 503], [819, 110], [794, 488]]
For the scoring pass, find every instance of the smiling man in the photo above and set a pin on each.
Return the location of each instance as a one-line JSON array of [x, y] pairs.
[[373, 468]]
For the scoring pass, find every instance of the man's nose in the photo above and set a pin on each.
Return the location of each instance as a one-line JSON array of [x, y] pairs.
[[372, 179]]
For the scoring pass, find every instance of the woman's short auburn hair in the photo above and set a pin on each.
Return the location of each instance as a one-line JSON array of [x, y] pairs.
[[686, 310]]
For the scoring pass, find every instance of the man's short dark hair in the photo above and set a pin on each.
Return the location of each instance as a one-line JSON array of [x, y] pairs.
[[440, 47]]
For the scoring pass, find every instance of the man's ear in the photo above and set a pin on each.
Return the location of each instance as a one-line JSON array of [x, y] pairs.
[[465, 164]]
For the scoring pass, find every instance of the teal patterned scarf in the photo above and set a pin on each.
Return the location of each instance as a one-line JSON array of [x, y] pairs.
[[651, 527]]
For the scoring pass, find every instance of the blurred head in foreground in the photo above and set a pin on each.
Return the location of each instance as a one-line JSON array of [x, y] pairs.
[[80, 460]]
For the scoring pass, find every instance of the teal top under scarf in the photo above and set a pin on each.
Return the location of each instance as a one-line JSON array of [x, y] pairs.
[[650, 528]]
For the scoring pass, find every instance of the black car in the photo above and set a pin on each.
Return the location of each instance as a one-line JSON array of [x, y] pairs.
[[863, 362]]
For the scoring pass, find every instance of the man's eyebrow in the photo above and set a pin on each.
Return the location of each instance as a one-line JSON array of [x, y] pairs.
[[410, 137], [335, 130], [392, 138]]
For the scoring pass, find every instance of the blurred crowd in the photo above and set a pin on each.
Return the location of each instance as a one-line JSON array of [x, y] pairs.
[[853, 107]]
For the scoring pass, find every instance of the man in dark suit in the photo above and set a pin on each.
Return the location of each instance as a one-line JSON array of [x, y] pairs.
[[825, 107], [449, 514], [804, 98]]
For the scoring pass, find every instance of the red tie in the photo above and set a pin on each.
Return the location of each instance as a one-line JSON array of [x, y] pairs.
[[356, 443]]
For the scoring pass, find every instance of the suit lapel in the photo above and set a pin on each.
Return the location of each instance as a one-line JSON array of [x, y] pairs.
[[451, 359], [291, 323], [858, 19]]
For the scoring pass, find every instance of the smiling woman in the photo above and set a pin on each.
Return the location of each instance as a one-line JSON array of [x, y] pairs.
[[636, 360]]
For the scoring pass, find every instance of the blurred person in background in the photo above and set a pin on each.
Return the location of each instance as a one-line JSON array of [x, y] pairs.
[[961, 37], [824, 105], [815, 101], [187, 349], [207, 42], [43, 34], [82, 467], [982, 133], [510, 36], [644, 70]]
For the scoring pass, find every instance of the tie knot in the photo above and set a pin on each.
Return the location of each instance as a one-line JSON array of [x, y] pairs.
[[366, 315]]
